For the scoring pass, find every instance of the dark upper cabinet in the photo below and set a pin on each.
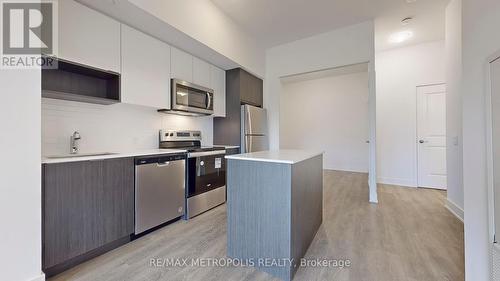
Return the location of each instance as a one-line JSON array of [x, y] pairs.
[[241, 88], [82, 83], [86, 205], [251, 89]]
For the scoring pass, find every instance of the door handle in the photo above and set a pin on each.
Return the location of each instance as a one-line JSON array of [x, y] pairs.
[[421, 141], [163, 164], [209, 100]]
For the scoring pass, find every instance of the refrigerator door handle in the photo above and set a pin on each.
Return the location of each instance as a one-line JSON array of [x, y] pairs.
[[248, 121]]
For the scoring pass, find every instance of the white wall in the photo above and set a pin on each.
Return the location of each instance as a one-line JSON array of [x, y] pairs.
[[399, 72], [104, 128], [340, 47], [453, 60], [338, 125], [481, 19], [345, 46], [20, 171], [203, 21]]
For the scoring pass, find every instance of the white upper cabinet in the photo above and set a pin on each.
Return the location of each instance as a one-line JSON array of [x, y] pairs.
[[201, 72], [182, 65], [218, 84], [88, 37], [145, 72], [192, 69]]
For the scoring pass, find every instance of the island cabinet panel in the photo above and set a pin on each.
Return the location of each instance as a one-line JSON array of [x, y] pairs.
[[307, 202], [86, 205], [259, 226], [274, 211]]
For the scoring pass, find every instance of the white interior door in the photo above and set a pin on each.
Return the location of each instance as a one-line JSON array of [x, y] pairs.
[[431, 133]]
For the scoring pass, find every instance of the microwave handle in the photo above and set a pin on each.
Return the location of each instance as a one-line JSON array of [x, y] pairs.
[[209, 100]]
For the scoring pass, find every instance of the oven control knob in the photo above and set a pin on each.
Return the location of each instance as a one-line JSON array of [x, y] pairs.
[[202, 163]]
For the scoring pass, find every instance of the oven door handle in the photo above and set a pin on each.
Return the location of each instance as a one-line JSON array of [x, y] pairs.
[[206, 153]]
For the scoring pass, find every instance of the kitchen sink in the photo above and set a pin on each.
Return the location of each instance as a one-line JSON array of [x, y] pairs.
[[79, 155]]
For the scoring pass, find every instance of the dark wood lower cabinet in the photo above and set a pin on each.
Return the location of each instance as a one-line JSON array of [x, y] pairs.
[[87, 206]]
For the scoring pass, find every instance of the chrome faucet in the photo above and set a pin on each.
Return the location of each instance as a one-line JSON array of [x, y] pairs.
[[73, 142]]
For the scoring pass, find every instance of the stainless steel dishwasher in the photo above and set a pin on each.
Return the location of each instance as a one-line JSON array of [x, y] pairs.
[[159, 190]]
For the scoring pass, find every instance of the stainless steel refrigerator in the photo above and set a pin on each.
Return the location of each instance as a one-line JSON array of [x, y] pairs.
[[254, 135]]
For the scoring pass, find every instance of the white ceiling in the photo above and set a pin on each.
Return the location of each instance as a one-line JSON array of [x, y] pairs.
[[275, 22]]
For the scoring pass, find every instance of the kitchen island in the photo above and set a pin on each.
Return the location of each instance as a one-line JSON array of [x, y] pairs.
[[274, 208]]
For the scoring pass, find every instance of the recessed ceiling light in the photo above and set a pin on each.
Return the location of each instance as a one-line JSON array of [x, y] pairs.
[[400, 37], [411, 1]]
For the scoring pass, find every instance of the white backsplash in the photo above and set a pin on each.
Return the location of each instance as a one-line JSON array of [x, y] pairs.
[[110, 128]]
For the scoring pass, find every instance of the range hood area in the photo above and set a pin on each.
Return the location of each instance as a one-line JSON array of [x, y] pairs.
[[182, 113]]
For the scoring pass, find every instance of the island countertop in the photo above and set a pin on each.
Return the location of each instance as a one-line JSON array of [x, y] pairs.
[[285, 156]]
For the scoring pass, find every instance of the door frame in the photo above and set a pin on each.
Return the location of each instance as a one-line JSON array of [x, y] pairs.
[[416, 131], [489, 146], [372, 127]]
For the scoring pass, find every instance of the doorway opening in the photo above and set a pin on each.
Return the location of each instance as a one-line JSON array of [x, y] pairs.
[[331, 110]]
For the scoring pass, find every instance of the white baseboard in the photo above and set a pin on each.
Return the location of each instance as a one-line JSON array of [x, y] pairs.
[[361, 171], [495, 262], [40, 277], [454, 209], [396, 181]]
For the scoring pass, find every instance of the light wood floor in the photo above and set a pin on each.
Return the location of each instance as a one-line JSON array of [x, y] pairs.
[[409, 235]]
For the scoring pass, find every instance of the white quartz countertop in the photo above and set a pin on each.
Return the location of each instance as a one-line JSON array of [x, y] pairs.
[[48, 160], [286, 156], [227, 146]]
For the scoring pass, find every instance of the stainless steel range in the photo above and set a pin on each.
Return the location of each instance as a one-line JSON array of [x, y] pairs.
[[205, 170]]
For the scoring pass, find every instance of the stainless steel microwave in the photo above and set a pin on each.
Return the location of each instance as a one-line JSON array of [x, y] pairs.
[[191, 99]]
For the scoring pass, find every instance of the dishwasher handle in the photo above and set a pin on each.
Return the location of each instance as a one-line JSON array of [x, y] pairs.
[[160, 160]]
